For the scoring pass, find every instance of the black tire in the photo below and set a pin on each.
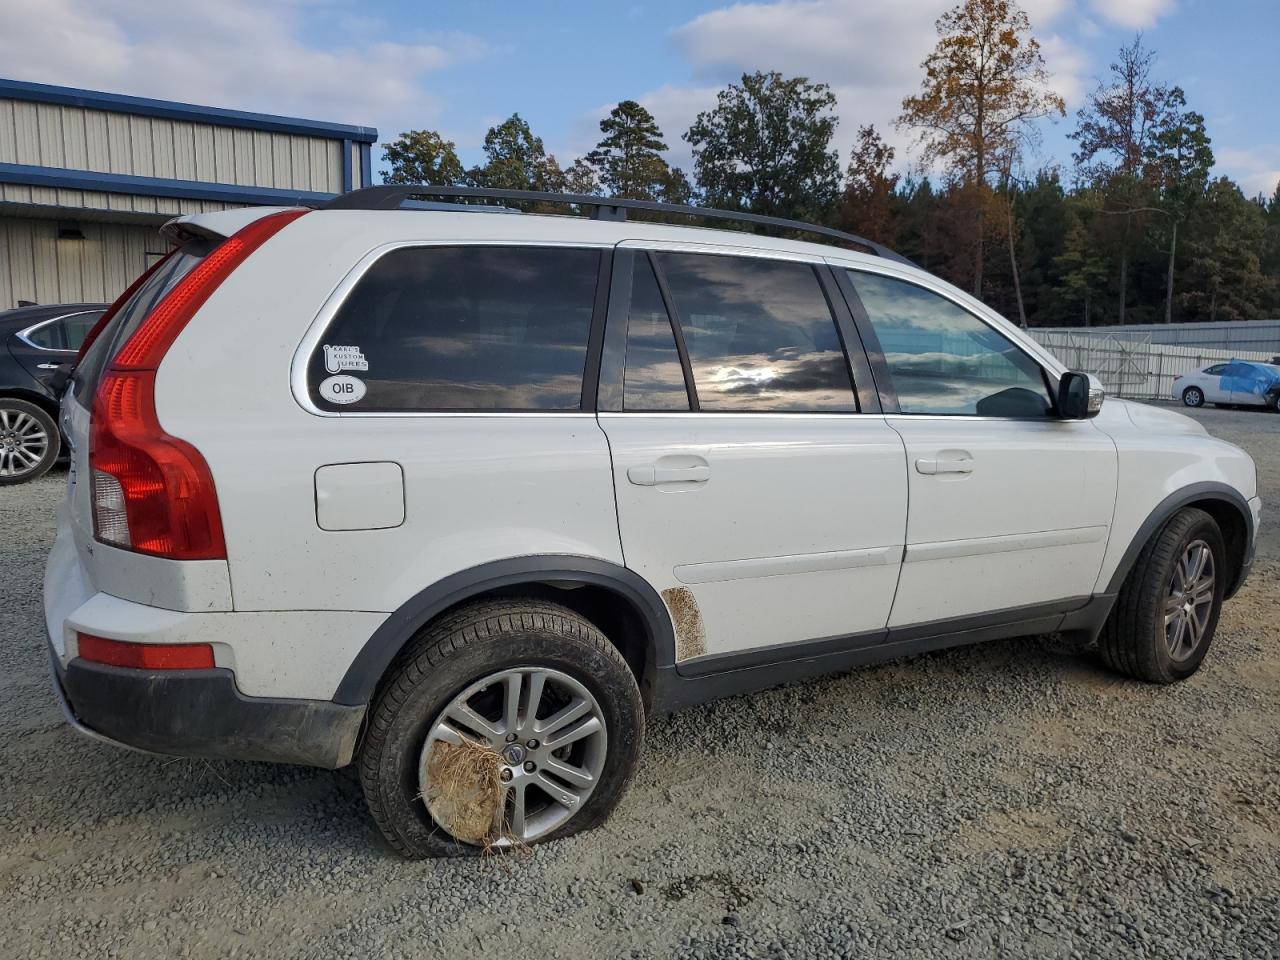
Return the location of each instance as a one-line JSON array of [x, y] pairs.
[[1133, 641], [456, 652], [16, 446], [1193, 397]]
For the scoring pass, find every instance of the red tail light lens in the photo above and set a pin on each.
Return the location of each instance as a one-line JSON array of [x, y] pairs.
[[146, 656], [152, 492]]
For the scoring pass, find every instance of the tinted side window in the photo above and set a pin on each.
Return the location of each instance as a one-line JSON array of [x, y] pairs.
[[460, 328], [76, 327], [1217, 370], [943, 359], [759, 333], [653, 378], [47, 336]]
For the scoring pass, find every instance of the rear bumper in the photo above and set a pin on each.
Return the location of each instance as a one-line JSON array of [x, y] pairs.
[[200, 713]]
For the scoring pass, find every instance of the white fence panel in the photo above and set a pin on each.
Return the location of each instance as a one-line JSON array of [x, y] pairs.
[[1137, 369]]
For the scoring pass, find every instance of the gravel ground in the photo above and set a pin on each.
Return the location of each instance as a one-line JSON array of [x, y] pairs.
[[1001, 800]]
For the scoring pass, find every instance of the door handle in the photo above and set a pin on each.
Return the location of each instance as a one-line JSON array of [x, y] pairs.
[[931, 466], [651, 474]]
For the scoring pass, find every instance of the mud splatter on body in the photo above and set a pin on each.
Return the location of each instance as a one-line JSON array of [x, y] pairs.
[[691, 635]]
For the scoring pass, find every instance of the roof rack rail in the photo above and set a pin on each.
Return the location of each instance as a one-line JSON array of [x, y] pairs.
[[391, 196]]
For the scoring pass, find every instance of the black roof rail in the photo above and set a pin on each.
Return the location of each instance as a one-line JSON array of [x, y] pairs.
[[390, 197]]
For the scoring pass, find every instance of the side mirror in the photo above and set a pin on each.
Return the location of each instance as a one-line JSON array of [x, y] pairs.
[[1079, 396]]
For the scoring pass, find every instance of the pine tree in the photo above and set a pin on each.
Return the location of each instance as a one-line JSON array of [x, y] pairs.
[[1080, 268], [1182, 159], [628, 160]]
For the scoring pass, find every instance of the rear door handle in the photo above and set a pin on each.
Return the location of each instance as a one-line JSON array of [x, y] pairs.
[[651, 475], [931, 466]]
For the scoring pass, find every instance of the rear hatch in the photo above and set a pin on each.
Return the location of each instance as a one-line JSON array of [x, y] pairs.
[[157, 535], [131, 576]]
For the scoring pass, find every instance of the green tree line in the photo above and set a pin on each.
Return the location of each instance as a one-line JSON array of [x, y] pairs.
[[1136, 229]]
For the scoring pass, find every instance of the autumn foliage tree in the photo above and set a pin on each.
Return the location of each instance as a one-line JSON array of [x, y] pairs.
[[984, 86], [867, 204]]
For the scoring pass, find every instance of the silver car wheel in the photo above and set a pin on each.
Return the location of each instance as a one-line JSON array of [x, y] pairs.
[[1189, 603], [23, 443], [550, 732]]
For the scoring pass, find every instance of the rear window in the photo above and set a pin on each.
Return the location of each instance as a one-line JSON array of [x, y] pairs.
[[131, 315], [63, 333], [460, 328]]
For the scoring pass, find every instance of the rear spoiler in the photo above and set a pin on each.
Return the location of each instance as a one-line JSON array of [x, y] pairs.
[[215, 226]]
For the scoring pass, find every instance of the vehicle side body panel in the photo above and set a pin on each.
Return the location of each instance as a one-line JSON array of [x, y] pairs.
[[791, 548]]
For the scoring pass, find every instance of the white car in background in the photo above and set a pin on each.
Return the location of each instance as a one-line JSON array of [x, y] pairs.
[[1232, 382]]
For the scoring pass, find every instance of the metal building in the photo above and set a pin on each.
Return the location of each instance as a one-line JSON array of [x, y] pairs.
[[86, 179]]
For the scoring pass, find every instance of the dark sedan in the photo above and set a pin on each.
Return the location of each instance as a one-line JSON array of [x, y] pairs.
[[36, 341]]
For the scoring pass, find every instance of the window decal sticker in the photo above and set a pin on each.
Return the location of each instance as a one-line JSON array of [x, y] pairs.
[[339, 358], [342, 389]]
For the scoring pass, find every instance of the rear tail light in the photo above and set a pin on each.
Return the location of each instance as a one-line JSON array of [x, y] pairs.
[[146, 656], [154, 493]]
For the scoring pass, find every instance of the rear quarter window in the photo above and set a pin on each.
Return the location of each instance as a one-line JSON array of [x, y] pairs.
[[460, 328]]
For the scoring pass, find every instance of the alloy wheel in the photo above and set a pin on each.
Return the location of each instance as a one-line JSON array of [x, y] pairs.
[[549, 731], [23, 443], [1189, 603]]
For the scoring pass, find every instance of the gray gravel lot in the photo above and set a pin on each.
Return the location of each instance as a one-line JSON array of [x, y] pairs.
[[1001, 800]]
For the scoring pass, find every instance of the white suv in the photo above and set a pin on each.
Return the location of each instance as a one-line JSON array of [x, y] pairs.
[[463, 498]]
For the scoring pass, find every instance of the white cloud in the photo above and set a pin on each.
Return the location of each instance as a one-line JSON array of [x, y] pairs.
[[1068, 68], [1256, 169], [1133, 13], [231, 53]]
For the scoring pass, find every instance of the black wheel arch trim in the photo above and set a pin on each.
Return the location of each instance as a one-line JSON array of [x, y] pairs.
[[1164, 512], [370, 665]]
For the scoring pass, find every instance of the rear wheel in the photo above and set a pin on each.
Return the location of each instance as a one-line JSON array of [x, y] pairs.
[[1193, 397], [507, 723], [29, 441], [1167, 611]]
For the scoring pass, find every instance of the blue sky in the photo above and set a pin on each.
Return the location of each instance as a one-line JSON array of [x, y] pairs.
[[460, 67]]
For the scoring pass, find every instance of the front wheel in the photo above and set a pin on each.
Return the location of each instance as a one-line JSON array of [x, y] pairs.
[[29, 441], [1193, 397], [507, 723], [1167, 611]]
